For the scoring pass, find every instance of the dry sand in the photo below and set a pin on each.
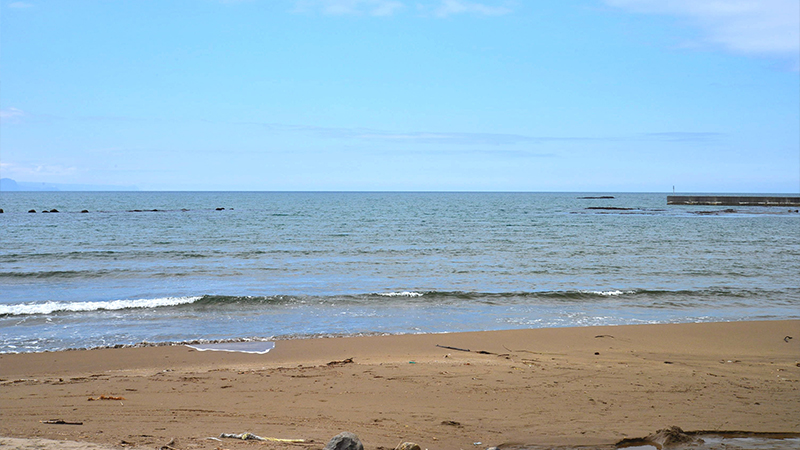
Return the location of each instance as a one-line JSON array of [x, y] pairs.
[[566, 386]]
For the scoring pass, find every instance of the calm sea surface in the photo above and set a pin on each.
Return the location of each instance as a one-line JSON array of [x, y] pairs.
[[172, 267]]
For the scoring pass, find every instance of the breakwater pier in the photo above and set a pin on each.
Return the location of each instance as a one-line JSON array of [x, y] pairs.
[[732, 200]]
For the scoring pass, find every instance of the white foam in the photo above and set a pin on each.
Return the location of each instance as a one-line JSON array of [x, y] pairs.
[[401, 294], [51, 307], [613, 293]]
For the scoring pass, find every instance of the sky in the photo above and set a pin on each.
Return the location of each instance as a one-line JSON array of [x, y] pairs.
[[403, 95]]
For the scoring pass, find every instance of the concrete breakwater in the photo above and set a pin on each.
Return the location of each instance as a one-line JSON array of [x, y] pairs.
[[732, 200]]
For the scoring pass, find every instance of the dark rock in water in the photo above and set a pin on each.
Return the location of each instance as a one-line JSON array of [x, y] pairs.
[[408, 446], [666, 438], [610, 208], [1, 211], [220, 209], [53, 210], [85, 211], [31, 210], [672, 436], [344, 441], [602, 197], [44, 211]]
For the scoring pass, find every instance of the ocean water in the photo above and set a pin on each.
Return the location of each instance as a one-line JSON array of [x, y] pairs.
[[195, 266]]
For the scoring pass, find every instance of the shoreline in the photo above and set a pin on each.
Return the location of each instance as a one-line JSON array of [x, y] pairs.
[[318, 336], [547, 386]]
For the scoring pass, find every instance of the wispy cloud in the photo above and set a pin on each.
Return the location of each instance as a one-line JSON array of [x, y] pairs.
[[436, 8], [20, 5], [476, 139], [11, 115], [759, 27], [423, 137], [684, 136], [351, 7], [451, 7], [37, 171]]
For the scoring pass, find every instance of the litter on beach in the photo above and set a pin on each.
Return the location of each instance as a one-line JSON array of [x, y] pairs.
[[258, 347], [253, 437]]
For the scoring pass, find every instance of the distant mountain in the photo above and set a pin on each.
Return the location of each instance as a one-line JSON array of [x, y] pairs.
[[9, 185]]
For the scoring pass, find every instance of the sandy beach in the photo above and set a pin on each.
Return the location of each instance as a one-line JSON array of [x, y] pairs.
[[561, 387]]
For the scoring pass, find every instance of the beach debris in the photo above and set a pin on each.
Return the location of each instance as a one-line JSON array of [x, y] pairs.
[[59, 422], [408, 446], [604, 336], [451, 423], [480, 352], [344, 441], [252, 437], [340, 363], [242, 436], [105, 397], [787, 338], [169, 445], [454, 348]]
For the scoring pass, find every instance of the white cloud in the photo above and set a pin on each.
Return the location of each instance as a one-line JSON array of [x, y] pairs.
[[450, 7], [11, 115], [43, 172], [19, 5], [758, 27], [351, 7]]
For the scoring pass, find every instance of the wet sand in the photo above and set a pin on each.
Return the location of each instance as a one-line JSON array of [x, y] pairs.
[[561, 387]]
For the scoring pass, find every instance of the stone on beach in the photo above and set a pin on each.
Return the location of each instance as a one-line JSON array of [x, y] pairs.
[[408, 446], [344, 441]]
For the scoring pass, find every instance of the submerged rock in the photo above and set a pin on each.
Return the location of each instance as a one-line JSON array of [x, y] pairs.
[[344, 441]]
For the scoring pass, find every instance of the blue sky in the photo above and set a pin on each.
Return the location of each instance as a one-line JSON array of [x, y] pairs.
[[484, 95]]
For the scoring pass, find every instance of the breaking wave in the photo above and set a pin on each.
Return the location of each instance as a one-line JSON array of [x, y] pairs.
[[53, 307], [636, 297]]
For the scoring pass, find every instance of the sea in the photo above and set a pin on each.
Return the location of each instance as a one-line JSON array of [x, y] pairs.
[[105, 269]]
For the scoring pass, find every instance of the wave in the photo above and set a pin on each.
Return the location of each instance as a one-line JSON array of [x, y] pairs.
[[53, 307], [633, 297], [401, 294]]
